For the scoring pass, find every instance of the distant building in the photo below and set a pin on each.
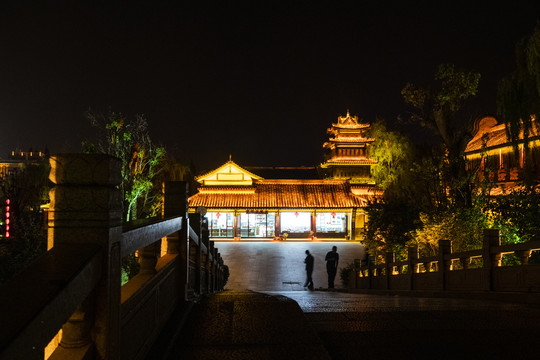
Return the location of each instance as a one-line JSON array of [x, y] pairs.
[[349, 151], [17, 159], [295, 201], [492, 154]]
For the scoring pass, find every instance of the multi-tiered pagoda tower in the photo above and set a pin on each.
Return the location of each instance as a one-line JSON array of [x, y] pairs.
[[348, 145]]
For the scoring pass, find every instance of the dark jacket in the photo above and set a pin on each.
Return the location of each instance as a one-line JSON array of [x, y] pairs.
[[309, 262]]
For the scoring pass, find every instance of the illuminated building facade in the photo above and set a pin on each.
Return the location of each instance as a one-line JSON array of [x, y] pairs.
[[348, 145], [242, 204], [491, 154], [17, 159]]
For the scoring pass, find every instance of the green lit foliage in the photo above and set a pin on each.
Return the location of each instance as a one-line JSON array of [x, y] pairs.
[[142, 161], [142, 166], [389, 226], [345, 274], [441, 109], [393, 153], [516, 215], [462, 226], [411, 179]]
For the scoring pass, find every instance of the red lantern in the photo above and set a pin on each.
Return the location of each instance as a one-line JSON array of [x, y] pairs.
[[333, 215], [218, 215], [296, 214]]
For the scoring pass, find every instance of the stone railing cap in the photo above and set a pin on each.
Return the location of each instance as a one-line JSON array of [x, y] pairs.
[[85, 169]]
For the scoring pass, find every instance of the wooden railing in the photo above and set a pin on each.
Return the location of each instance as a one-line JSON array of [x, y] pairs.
[[475, 270], [76, 285]]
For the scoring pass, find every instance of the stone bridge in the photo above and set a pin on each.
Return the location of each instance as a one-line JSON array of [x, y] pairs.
[[70, 304]]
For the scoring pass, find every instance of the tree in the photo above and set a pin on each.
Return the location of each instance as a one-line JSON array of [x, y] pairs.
[[518, 98], [142, 161], [390, 220], [27, 189], [440, 109], [393, 152]]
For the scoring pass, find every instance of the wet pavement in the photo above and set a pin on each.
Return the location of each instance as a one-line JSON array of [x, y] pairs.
[[244, 325], [273, 265], [282, 321], [380, 327]]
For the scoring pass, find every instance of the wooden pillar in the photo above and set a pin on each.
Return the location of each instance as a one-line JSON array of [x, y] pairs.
[[235, 233], [353, 224], [86, 207], [278, 223], [313, 224]]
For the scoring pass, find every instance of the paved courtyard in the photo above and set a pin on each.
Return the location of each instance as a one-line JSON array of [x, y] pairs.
[[268, 266]]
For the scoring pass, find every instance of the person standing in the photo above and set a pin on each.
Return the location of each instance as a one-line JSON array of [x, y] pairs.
[[332, 259], [309, 260]]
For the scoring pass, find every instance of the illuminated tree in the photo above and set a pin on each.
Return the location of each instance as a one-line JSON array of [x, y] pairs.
[[142, 160], [441, 109]]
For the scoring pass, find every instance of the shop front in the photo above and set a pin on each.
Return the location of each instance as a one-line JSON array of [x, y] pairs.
[[241, 205]]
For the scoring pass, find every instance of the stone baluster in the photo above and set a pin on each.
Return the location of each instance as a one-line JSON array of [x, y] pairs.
[[523, 256], [444, 265], [465, 262], [148, 256], [412, 256], [176, 204], [86, 207], [389, 262]]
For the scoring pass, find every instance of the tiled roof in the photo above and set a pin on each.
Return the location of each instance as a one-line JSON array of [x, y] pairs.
[[352, 139], [350, 161], [282, 194], [496, 137], [284, 172]]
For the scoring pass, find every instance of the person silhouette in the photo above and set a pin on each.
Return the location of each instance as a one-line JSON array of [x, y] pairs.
[[309, 261], [332, 259]]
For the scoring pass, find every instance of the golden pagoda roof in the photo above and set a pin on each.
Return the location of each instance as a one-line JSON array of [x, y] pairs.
[[229, 173], [349, 122]]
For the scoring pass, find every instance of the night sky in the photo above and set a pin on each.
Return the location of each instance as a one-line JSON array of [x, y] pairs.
[[261, 81]]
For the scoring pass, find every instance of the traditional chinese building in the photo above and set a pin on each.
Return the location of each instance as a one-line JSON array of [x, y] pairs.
[[491, 154], [240, 203], [348, 144]]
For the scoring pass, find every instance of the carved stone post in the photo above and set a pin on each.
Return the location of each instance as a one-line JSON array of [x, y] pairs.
[[86, 207], [491, 239], [412, 256], [389, 262], [523, 256], [176, 204], [211, 268]]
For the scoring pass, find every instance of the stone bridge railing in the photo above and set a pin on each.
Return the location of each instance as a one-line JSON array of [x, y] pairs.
[[69, 303], [475, 270]]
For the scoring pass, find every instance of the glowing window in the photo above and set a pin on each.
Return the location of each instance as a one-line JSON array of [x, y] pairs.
[[295, 222], [331, 222]]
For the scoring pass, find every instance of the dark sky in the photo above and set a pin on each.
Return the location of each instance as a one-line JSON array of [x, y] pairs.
[[259, 80]]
